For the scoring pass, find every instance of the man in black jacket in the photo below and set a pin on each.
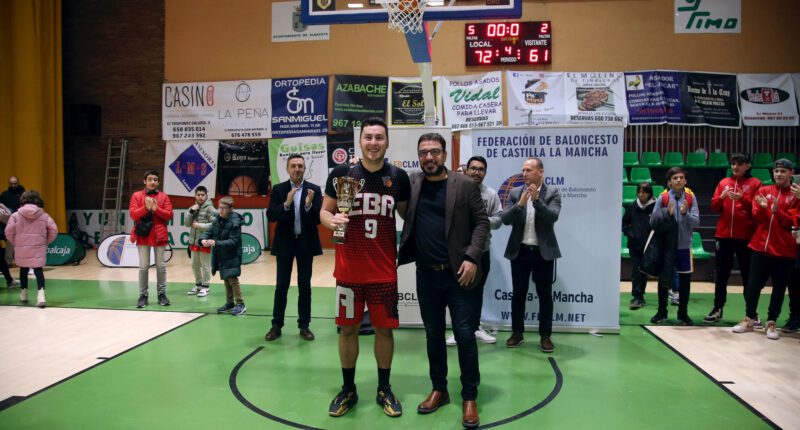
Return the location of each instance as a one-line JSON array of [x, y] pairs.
[[294, 205]]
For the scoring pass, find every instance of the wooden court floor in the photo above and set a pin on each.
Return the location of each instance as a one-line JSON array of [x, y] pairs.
[[91, 360]]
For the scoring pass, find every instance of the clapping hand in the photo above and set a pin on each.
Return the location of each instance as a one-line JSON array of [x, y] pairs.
[[309, 197], [684, 207], [290, 196]]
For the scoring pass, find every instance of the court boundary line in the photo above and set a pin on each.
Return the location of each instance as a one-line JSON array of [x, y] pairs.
[[719, 384], [24, 398], [559, 383]]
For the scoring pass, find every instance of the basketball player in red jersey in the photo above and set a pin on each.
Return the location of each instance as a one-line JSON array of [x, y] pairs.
[[366, 265]]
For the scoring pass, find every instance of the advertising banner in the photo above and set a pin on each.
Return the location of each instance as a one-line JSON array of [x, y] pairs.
[[595, 98], [300, 106], [288, 27], [767, 99], [90, 222], [654, 97], [119, 251], [405, 104], [341, 148], [216, 110], [796, 84], [708, 16], [188, 165], [535, 98], [64, 250], [473, 101], [243, 168], [356, 98], [586, 289], [312, 148], [710, 99]]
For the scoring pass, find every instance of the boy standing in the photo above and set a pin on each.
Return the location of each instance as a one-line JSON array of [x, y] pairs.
[[201, 216], [225, 236]]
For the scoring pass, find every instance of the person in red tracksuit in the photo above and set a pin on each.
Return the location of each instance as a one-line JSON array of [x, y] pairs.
[[732, 200], [773, 247], [151, 207]]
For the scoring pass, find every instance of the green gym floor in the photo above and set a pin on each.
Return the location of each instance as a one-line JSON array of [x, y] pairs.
[[217, 371]]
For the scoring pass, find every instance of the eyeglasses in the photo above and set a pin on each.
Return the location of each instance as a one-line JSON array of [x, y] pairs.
[[477, 169], [424, 152], [227, 208]]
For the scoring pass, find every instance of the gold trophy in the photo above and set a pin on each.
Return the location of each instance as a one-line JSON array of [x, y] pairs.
[[346, 189]]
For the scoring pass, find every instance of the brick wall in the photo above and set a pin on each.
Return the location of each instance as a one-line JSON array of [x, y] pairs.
[[113, 57]]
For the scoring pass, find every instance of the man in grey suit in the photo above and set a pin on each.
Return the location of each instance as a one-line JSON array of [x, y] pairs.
[[532, 210], [444, 232]]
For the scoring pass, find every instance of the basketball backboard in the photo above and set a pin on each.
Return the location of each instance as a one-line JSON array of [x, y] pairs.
[[360, 11]]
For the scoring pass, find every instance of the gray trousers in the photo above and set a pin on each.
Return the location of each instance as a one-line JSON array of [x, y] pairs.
[[144, 268]]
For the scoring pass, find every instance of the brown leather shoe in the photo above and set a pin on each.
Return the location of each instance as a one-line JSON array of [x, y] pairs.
[[433, 402], [515, 340], [273, 333], [306, 334], [470, 419], [546, 345]]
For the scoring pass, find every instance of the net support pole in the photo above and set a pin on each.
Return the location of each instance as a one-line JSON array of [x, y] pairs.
[[420, 48]]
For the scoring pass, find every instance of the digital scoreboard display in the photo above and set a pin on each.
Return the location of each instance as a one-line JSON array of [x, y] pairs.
[[498, 43]]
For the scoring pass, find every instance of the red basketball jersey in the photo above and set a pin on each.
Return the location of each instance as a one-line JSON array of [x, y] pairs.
[[370, 254]]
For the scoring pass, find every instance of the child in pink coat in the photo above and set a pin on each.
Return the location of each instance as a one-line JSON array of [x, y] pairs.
[[31, 229]]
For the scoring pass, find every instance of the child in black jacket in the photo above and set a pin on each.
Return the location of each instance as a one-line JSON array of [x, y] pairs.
[[636, 226]]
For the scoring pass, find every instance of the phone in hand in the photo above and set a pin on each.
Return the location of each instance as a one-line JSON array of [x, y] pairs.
[[796, 179]]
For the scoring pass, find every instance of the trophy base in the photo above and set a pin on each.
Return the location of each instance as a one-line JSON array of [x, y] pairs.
[[338, 237]]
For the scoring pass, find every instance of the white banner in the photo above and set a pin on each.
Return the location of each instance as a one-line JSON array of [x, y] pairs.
[[119, 251], [535, 98], [405, 106], [767, 99], [188, 165], [89, 221], [313, 149], [473, 101], [595, 98], [216, 110], [579, 161], [287, 26], [796, 85], [708, 16]]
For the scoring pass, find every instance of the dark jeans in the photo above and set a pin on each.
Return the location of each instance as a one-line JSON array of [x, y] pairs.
[[4, 266], [638, 279], [486, 264], [282, 288], [23, 277], [763, 267], [529, 264], [437, 291], [726, 248], [684, 289]]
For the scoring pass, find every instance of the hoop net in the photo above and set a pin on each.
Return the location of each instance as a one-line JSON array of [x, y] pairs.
[[405, 16]]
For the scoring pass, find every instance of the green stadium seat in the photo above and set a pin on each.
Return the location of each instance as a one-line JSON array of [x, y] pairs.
[[624, 176], [787, 155], [624, 252], [696, 159], [657, 190], [762, 160], [718, 159], [673, 159], [651, 159], [628, 194], [640, 174], [698, 251], [763, 175], [630, 159], [729, 173]]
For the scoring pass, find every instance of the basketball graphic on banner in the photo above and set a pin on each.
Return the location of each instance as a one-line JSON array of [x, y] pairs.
[[243, 186], [509, 184], [115, 249]]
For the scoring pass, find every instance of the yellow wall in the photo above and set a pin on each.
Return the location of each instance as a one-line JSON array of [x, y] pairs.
[[211, 40]]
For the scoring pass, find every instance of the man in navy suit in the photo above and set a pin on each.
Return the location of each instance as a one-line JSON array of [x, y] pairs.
[[294, 205]]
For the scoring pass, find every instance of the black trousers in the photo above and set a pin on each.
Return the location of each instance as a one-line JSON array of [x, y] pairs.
[[437, 291], [528, 265], [638, 279], [684, 289], [4, 266], [284, 276], [726, 249], [486, 264], [794, 294], [23, 277], [763, 267]]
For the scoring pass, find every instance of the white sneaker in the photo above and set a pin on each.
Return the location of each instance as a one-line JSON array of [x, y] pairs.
[[203, 292], [14, 283], [674, 298], [483, 336], [194, 290], [744, 325], [757, 324], [23, 295], [40, 300], [451, 340], [772, 331]]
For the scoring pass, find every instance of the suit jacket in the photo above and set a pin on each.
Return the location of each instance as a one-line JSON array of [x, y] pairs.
[[466, 222], [548, 207], [284, 244]]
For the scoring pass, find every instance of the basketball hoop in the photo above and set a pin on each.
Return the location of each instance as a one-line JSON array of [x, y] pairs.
[[405, 16]]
